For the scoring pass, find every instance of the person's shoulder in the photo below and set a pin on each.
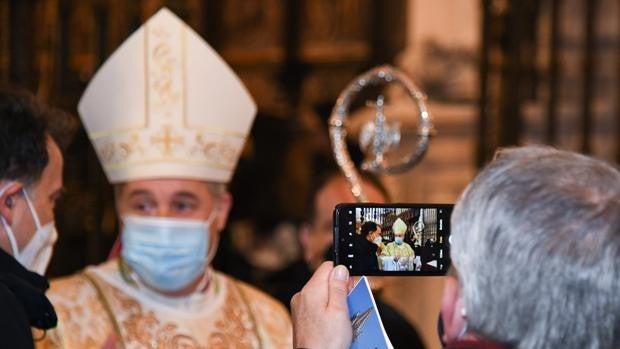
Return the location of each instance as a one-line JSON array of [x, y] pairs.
[[64, 284], [6, 294], [68, 292], [14, 324], [79, 281]]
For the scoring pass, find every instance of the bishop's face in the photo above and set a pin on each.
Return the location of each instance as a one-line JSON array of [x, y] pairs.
[[178, 199]]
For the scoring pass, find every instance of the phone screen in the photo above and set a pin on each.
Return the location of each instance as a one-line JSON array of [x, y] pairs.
[[393, 239]]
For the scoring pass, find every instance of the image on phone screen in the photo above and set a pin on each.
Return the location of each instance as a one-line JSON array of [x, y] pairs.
[[393, 239]]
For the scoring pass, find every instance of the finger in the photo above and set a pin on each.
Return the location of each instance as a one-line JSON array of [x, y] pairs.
[[315, 287], [338, 288], [321, 275]]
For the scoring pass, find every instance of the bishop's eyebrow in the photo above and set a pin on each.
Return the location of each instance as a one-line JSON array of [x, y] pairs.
[[139, 192], [185, 195]]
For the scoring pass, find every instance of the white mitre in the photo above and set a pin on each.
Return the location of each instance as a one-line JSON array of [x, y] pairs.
[[399, 226], [165, 105]]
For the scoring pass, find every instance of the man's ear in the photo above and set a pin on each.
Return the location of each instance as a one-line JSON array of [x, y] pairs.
[[7, 199], [451, 310], [224, 205]]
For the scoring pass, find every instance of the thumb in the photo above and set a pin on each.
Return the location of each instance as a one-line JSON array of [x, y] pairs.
[[338, 288]]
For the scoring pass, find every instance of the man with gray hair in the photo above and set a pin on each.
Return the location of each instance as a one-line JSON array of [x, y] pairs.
[[536, 257]]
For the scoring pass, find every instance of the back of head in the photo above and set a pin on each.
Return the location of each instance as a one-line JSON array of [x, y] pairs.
[[367, 228], [24, 126], [334, 180], [536, 243], [23, 151]]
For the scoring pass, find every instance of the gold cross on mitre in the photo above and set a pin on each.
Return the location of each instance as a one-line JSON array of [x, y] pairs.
[[166, 139]]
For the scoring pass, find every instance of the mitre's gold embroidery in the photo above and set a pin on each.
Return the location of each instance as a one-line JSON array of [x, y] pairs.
[[107, 151], [120, 151], [221, 151], [164, 69], [167, 141]]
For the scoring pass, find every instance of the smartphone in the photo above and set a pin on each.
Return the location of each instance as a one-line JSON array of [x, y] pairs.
[[393, 239]]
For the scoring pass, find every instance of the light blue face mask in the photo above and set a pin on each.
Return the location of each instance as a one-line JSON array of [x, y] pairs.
[[166, 253], [398, 240]]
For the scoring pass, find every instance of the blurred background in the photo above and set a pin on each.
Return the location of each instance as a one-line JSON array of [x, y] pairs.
[[497, 73]]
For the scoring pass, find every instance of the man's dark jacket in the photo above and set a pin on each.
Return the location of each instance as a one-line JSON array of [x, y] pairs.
[[366, 259], [22, 304]]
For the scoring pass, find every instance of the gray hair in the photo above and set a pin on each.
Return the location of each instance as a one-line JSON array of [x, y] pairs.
[[536, 243]]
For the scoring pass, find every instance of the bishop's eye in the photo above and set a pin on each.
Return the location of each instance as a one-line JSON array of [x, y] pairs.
[[184, 206], [144, 207]]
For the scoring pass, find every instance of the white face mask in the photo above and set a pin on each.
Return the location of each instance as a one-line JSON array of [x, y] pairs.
[[36, 255], [377, 240], [166, 253]]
